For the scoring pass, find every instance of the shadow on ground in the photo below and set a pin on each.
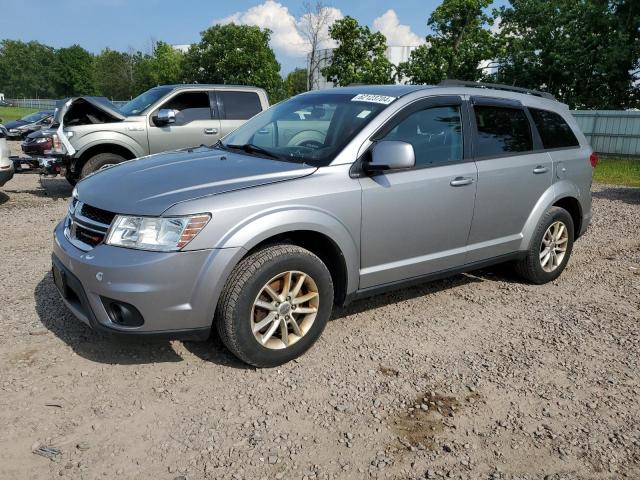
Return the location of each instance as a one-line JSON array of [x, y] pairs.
[[4, 198], [55, 188], [121, 350], [107, 349], [630, 195]]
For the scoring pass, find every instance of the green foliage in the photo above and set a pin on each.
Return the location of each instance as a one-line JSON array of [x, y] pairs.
[[459, 42], [296, 82], [582, 51], [73, 72], [115, 74], [235, 54], [163, 67], [360, 56], [26, 69]]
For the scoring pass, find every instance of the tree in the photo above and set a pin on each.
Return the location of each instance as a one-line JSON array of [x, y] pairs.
[[582, 51], [296, 82], [74, 72], [163, 67], [459, 42], [314, 23], [360, 55], [235, 54], [114, 74], [26, 69]]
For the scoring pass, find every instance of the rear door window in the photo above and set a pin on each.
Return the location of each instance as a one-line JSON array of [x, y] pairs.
[[189, 106], [239, 105], [502, 130], [554, 131]]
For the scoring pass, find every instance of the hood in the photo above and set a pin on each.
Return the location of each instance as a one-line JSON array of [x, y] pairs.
[[82, 107], [151, 185], [15, 124]]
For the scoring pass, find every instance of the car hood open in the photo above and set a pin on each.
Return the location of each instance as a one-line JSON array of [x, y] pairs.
[[151, 185], [100, 104]]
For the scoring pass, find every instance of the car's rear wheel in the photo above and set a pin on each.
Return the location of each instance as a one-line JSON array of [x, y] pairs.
[[275, 305], [550, 247], [100, 161]]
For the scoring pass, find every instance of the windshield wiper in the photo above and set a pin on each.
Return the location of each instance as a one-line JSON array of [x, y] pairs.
[[251, 148]]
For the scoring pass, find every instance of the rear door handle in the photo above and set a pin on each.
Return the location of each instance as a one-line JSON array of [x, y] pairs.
[[540, 169], [210, 131], [461, 181]]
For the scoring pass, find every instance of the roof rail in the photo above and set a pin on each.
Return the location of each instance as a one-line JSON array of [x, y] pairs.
[[495, 86]]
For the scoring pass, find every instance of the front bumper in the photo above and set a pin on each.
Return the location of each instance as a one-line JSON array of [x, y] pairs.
[[175, 293], [6, 174]]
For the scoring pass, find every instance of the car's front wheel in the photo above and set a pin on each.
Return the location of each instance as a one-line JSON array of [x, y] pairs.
[[550, 247], [100, 161], [275, 305]]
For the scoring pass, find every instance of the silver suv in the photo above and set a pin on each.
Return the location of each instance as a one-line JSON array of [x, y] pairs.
[[92, 133], [325, 198]]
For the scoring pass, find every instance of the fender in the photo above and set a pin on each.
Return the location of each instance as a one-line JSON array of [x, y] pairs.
[[560, 189], [108, 137], [287, 218]]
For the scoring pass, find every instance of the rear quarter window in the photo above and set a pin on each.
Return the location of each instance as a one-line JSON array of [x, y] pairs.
[[554, 131], [239, 105]]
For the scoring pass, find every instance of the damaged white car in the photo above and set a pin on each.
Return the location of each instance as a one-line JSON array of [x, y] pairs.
[[92, 133]]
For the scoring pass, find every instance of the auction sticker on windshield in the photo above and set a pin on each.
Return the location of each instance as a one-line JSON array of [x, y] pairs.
[[367, 97]]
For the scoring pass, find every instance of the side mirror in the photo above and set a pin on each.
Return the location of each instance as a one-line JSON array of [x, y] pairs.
[[165, 116], [391, 155]]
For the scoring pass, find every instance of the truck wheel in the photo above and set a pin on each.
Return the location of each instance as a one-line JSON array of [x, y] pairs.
[[275, 305], [100, 161], [71, 178], [550, 248]]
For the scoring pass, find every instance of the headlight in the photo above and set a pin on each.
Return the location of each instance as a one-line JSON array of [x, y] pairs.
[[14, 130], [42, 139], [164, 234]]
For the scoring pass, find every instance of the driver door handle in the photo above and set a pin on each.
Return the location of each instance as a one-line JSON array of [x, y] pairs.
[[210, 131], [461, 181], [540, 169]]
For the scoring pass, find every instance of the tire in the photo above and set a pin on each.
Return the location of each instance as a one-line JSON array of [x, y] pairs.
[[71, 178], [531, 267], [236, 313], [99, 161]]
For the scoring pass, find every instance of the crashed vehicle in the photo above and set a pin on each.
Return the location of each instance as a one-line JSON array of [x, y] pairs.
[[33, 122], [92, 133], [37, 144]]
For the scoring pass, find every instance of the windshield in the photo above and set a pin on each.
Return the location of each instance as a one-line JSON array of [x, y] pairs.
[[34, 117], [309, 129], [142, 102]]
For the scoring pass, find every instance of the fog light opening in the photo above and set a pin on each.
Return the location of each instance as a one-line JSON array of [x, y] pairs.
[[122, 313]]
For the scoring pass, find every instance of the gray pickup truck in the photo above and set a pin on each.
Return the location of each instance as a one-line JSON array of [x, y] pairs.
[[92, 133]]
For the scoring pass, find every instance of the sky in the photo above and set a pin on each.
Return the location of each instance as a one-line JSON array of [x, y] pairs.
[[134, 24]]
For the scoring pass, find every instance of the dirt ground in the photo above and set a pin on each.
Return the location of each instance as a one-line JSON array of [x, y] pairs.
[[475, 377]]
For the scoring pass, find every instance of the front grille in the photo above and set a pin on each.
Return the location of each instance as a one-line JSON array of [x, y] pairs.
[[87, 236], [87, 226], [97, 214]]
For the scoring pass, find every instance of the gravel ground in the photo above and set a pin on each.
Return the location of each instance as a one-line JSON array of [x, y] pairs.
[[476, 376]]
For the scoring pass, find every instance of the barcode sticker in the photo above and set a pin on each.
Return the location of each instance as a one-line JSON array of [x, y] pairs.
[[367, 97]]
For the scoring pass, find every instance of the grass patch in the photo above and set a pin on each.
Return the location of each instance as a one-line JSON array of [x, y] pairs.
[[13, 113], [618, 171]]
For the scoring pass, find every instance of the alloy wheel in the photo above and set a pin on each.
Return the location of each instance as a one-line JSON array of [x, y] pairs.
[[285, 309], [554, 246]]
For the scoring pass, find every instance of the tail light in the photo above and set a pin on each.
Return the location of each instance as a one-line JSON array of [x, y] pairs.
[[593, 158]]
